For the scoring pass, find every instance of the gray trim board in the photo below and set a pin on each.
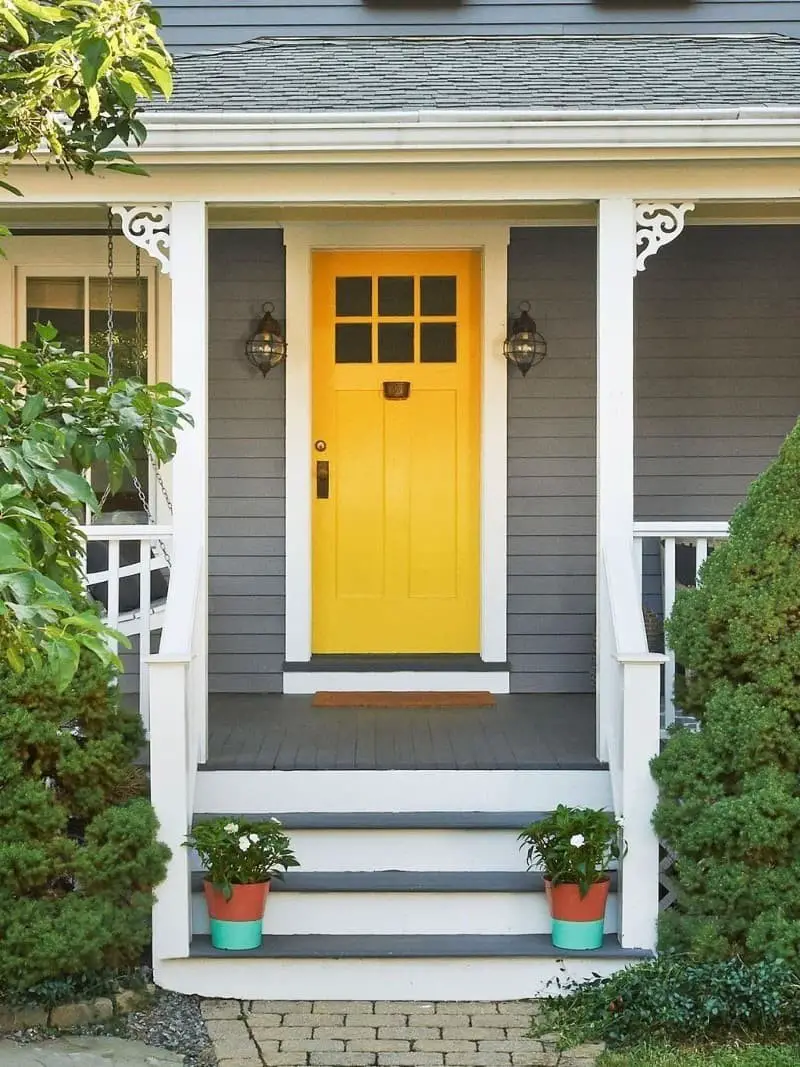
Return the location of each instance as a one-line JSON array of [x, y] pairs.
[[397, 820], [412, 946], [405, 882]]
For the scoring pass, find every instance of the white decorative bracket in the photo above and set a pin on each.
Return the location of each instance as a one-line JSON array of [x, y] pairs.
[[657, 223], [147, 227]]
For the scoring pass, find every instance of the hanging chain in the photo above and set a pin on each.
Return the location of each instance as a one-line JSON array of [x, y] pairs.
[[139, 342], [109, 320], [110, 298]]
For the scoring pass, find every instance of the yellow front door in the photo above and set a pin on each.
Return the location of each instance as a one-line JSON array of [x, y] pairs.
[[396, 380]]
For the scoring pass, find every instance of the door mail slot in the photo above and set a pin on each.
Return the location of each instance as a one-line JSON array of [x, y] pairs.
[[396, 390]]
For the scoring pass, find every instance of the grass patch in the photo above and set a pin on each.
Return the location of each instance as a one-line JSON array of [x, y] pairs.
[[714, 1056]]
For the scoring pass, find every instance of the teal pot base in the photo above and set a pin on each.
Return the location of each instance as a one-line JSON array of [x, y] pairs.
[[235, 935], [574, 935]]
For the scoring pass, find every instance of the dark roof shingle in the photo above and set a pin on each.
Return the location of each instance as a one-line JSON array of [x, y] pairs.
[[312, 74]]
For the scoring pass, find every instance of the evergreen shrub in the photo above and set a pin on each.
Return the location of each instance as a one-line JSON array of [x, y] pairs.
[[729, 803], [675, 999], [77, 870]]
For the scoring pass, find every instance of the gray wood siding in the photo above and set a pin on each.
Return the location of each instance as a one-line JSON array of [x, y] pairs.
[[246, 468], [717, 367], [193, 25], [551, 456]]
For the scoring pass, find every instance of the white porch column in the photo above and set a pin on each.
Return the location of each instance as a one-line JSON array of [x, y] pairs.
[[189, 274], [616, 242]]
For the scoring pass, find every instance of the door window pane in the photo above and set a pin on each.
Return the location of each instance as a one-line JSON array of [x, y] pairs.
[[395, 296], [353, 297], [438, 295], [437, 342], [396, 342], [353, 342], [58, 301]]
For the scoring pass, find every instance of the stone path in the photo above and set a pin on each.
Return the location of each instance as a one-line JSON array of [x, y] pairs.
[[304, 1033], [85, 1052]]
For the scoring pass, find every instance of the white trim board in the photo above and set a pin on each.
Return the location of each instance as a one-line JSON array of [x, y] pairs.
[[303, 682], [384, 979], [491, 240]]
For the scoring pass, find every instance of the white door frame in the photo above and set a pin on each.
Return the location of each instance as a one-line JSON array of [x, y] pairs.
[[491, 240]]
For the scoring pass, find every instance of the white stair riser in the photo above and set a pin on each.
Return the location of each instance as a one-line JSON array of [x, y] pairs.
[[402, 913], [505, 978], [407, 850], [243, 792]]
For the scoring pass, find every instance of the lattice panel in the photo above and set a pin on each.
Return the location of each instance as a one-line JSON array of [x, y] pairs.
[[668, 890]]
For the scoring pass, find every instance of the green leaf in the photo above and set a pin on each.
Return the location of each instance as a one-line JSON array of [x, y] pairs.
[[161, 76], [32, 408], [75, 486], [15, 24], [9, 189], [93, 54], [16, 662], [63, 657], [93, 102]]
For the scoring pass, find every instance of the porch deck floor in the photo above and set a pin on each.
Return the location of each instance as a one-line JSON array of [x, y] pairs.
[[521, 732]]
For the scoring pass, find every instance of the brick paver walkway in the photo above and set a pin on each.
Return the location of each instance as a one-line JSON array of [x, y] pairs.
[[304, 1033]]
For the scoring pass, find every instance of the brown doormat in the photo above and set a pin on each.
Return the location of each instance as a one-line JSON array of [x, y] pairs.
[[403, 700]]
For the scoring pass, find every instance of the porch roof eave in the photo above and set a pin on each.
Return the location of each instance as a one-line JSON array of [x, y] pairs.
[[233, 132]]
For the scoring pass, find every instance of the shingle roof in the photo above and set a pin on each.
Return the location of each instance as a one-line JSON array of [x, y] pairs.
[[312, 74]]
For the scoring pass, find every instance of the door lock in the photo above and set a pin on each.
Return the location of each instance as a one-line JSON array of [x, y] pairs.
[[323, 479], [320, 446]]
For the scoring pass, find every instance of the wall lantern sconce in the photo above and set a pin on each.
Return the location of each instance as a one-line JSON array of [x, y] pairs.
[[524, 346], [267, 346]]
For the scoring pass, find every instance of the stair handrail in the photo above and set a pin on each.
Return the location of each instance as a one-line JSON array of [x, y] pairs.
[[176, 742], [629, 706]]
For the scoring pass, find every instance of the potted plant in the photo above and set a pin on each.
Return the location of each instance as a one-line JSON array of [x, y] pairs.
[[240, 859], [574, 847]]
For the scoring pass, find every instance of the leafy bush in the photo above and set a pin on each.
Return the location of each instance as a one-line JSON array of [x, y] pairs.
[[77, 870], [573, 845], [53, 427], [729, 803], [672, 998], [239, 852]]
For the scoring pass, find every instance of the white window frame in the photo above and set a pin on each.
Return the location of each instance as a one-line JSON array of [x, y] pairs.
[[86, 257]]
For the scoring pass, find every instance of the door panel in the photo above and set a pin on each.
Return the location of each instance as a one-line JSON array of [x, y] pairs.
[[396, 378]]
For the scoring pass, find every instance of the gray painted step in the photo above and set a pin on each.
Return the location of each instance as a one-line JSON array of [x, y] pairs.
[[406, 882], [421, 662], [395, 820], [411, 946]]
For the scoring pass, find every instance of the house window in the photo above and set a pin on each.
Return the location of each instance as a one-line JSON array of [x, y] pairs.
[[77, 305]]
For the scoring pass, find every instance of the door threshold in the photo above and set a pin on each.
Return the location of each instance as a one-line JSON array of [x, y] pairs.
[[396, 674], [415, 661]]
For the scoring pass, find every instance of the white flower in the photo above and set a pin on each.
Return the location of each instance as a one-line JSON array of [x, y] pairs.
[[231, 828], [255, 838], [244, 843], [577, 840]]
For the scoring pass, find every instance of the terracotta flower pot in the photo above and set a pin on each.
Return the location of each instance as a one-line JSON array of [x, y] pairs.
[[577, 922], [236, 923]]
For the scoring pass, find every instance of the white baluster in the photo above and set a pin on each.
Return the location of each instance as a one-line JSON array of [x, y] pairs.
[[701, 555], [144, 635], [113, 585], [669, 600], [638, 565]]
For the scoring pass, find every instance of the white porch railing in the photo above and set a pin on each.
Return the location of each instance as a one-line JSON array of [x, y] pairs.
[[702, 535], [177, 744], [629, 681], [117, 560]]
